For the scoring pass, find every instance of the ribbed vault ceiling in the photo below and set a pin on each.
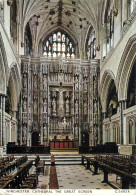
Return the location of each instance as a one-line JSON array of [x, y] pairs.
[[74, 17]]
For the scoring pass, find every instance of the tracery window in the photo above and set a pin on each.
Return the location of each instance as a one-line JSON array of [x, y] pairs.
[[91, 46], [59, 44]]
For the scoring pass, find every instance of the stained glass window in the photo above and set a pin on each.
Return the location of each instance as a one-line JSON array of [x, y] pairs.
[[59, 36], [58, 44], [63, 38], [63, 47], [54, 37], [54, 47]]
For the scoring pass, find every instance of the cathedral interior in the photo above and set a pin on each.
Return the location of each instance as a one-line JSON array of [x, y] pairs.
[[67, 87]]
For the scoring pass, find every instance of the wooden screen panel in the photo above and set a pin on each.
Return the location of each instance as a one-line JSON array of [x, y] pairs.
[[51, 145], [65, 144], [70, 144], [56, 144], [61, 145]]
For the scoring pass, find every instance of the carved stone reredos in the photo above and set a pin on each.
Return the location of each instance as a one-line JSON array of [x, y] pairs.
[[55, 90]]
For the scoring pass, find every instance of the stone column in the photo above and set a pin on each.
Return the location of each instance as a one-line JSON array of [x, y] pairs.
[[133, 133], [2, 120], [125, 135], [121, 122], [104, 134], [111, 133]]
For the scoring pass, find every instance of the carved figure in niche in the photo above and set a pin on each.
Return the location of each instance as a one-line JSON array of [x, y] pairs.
[[24, 106], [44, 105], [67, 106], [85, 84], [35, 106], [35, 81], [95, 133], [25, 81], [95, 86], [66, 78], [69, 77], [76, 131], [76, 107], [44, 82], [76, 83], [95, 107], [54, 105], [85, 107], [24, 131], [29, 108]]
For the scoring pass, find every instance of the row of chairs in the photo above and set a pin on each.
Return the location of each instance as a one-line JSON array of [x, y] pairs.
[[10, 165], [124, 163], [16, 180]]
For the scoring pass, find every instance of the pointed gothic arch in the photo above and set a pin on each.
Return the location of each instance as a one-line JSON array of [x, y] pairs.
[[107, 78], [125, 68], [4, 70]]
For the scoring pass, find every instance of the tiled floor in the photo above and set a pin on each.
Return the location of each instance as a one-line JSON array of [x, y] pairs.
[[44, 179], [74, 177], [77, 177]]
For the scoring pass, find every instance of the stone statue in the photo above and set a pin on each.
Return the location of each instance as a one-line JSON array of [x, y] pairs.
[[44, 105], [24, 131], [76, 84], [25, 81], [44, 82], [76, 132], [54, 105], [85, 85], [76, 107], [24, 106], [95, 107], [35, 106], [85, 107], [35, 81], [67, 106]]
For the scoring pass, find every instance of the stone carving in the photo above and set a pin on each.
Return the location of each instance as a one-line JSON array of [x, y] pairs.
[[76, 83], [85, 84], [35, 105], [76, 131], [54, 106], [35, 81], [85, 107], [25, 105], [25, 81], [44, 105], [95, 112], [76, 107], [67, 106], [95, 86], [67, 95]]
